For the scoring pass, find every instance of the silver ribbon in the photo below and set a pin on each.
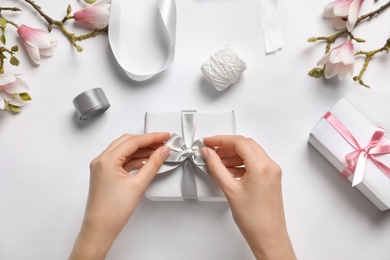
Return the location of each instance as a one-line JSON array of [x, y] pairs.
[[185, 152], [91, 103], [167, 14]]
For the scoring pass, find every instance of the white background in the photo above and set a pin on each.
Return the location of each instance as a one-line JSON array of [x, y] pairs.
[[45, 150]]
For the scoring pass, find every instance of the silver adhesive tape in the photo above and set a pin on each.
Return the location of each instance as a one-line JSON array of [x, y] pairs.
[[91, 103]]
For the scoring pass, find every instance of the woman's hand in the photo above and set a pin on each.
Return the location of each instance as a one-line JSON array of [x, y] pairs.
[[113, 193], [251, 181]]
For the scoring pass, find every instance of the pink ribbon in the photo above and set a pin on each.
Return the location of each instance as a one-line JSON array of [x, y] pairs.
[[356, 160]]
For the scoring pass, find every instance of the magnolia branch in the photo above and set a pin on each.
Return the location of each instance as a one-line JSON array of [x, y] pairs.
[[318, 72], [369, 55], [12, 9], [60, 24], [331, 39]]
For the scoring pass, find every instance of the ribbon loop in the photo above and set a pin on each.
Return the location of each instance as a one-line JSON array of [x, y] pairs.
[[357, 159], [185, 152], [121, 32]]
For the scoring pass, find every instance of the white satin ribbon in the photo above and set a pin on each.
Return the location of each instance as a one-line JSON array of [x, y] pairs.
[[167, 18], [272, 26], [185, 152]]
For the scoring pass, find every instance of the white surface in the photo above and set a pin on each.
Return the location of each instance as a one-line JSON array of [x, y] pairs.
[[45, 151]]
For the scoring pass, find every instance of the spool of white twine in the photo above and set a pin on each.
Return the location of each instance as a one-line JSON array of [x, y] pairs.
[[223, 68]]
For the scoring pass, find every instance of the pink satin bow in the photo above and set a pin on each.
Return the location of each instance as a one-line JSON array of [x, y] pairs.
[[356, 160]]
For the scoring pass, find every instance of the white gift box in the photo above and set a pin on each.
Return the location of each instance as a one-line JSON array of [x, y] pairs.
[[329, 142], [167, 186]]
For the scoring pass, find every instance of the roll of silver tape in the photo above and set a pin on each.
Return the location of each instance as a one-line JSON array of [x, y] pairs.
[[91, 103]]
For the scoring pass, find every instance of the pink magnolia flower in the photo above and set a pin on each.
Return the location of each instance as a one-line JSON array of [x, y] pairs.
[[11, 84], [38, 42], [344, 8], [339, 61], [95, 15]]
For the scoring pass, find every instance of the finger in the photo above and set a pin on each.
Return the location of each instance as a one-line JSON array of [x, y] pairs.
[[142, 153], [134, 164], [155, 146], [117, 141], [217, 169], [237, 172], [147, 172], [224, 152], [129, 146], [232, 161], [246, 148]]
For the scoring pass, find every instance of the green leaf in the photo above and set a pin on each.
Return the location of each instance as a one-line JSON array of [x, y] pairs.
[[6, 106], [15, 48], [316, 72], [359, 40], [90, 1], [16, 109], [2, 38], [3, 23], [25, 96], [69, 10], [14, 61]]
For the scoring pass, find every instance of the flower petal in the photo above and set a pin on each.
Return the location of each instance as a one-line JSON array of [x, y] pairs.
[[328, 13], [34, 53], [35, 37], [342, 8], [13, 99], [7, 78], [353, 14], [46, 52], [346, 53], [2, 102], [339, 24], [334, 56], [19, 86], [95, 16], [331, 70], [324, 59], [345, 71]]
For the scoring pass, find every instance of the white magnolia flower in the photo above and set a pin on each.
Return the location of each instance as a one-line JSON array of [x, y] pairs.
[[38, 42], [339, 61], [95, 15], [10, 88], [344, 9]]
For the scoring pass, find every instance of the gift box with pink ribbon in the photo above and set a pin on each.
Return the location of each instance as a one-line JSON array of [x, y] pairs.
[[184, 174], [358, 149]]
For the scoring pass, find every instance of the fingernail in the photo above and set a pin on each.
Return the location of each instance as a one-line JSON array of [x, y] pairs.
[[165, 151], [204, 152]]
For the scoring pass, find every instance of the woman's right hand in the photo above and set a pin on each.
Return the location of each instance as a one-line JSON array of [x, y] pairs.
[[251, 181]]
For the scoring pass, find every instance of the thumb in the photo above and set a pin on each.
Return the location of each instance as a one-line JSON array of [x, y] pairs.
[[155, 161], [216, 168]]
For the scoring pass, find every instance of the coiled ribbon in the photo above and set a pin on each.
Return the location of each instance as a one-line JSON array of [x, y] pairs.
[[167, 13], [356, 160], [185, 152]]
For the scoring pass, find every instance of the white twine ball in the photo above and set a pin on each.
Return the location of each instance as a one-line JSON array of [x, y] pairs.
[[223, 68]]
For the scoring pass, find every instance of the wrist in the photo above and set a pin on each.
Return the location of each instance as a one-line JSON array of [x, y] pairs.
[[84, 249], [91, 243], [276, 247]]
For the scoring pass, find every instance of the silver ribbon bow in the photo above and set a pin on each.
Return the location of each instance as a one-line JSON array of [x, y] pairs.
[[185, 152]]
